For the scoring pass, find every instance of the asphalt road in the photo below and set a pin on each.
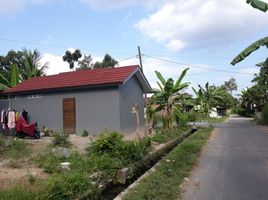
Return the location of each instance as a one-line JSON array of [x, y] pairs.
[[233, 165]]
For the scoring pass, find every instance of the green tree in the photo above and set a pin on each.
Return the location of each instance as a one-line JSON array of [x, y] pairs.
[[230, 85], [18, 66], [263, 6], [85, 63], [12, 57], [208, 97], [71, 58], [167, 96], [32, 66], [107, 62]]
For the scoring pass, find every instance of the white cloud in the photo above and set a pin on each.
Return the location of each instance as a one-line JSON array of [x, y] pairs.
[[56, 64], [201, 23], [250, 70], [175, 45], [8, 6]]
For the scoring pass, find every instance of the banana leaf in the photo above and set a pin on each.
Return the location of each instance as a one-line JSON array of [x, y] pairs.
[[260, 5], [14, 75], [161, 78], [251, 48]]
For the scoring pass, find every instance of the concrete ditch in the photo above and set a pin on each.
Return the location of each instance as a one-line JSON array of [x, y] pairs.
[[128, 177]]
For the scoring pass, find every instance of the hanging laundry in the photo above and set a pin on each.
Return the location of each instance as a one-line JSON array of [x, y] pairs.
[[11, 119], [17, 116], [3, 119]]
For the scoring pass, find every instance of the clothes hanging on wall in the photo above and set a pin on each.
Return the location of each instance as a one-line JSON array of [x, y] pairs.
[[8, 119], [11, 119], [3, 117]]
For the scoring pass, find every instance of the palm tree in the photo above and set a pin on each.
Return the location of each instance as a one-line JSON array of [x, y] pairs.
[[32, 66], [168, 94]]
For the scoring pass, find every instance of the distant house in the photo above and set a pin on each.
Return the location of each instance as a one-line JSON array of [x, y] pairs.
[[94, 99]]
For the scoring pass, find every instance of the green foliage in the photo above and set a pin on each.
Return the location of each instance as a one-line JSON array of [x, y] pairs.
[[113, 145], [264, 115], [61, 140], [261, 5], [164, 181], [14, 149], [107, 62], [110, 143], [18, 193], [70, 185], [14, 75], [48, 161], [85, 133], [165, 135], [71, 58], [168, 96], [32, 66]]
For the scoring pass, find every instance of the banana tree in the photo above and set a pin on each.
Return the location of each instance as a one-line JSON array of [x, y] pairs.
[[5, 84], [263, 6], [208, 96], [251, 48], [168, 94]]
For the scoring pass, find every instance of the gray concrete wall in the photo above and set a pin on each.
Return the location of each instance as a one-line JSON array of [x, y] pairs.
[[130, 93], [95, 109]]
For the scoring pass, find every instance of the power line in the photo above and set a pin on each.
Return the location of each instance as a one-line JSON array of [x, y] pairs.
[[196, 66], [128, 58], [57, 46]]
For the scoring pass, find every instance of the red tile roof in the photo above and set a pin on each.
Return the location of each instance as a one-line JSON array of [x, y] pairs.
[[82, 78]]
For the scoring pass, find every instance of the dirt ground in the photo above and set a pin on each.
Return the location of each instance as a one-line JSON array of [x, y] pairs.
[[10, 175]]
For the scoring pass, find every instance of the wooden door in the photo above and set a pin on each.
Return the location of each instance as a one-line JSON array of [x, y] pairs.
[[69, 117]]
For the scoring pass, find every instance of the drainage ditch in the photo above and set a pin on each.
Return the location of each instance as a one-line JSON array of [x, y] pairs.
[[138, 169]]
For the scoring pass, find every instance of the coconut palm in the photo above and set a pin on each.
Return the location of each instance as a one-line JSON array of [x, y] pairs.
[[32, 66], [168, 93]]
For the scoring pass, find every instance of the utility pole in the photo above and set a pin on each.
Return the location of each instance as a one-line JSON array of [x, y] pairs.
[[145, 95], [140, 59]]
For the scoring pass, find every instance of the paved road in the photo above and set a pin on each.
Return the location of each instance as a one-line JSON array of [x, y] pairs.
[[234, 164]]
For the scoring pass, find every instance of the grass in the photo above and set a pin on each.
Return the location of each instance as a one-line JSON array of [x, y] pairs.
[[164, 136], [107, 154], [17, 193], [164, 182], [14, 149]]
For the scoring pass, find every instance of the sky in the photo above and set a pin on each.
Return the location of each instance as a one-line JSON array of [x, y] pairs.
[[204, 35]]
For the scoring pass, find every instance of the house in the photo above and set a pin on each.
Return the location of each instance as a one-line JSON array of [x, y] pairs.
[[94, 99]]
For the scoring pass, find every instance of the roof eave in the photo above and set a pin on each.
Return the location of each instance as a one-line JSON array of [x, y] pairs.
[[62, 89]]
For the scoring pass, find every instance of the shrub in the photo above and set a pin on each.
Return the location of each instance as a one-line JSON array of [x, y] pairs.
[[48, 161], [85, 133], [113, 145], [110, 143], [61, 140], [71, 185], [264, 115]]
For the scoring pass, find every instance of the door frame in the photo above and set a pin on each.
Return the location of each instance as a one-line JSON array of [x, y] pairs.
[[74, 115]]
